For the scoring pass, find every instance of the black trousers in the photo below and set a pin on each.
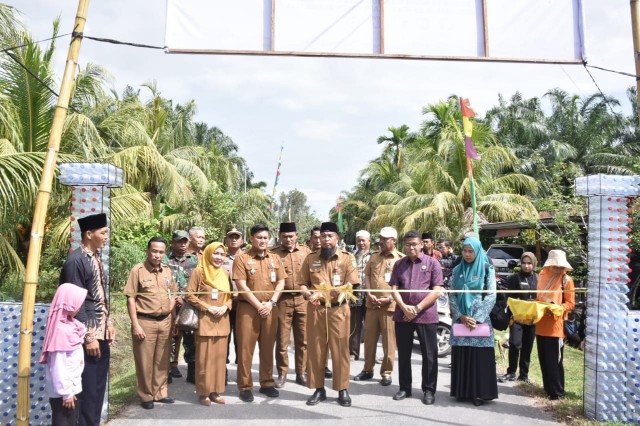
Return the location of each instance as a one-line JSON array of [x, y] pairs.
[[427, 336], [94, 385], [551, 356], [521, 339], [232, 334], [355, 332], [61, 416]]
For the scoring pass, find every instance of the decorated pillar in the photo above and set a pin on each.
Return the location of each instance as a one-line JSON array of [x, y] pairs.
[[612, 361]]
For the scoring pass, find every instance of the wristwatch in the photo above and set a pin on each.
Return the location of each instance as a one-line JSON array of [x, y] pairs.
[[273, 303]]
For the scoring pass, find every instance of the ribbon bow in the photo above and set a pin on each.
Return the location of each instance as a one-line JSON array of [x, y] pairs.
[[345, 293]]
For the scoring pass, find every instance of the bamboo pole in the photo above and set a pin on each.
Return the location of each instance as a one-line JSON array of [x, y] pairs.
[[39, 218], [635, 22]]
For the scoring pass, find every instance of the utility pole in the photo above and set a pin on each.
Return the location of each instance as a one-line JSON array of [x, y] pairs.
[[40, 213], [635, 22]]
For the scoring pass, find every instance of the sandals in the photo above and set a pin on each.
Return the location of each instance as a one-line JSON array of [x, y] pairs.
[[204, 400]]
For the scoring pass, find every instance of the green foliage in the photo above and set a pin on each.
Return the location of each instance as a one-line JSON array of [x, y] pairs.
[[123, 258], [135, 232], [217, 211], [292, 207], [569, 216]]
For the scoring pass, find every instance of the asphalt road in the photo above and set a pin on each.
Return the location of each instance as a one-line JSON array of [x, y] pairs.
[[372, 404]]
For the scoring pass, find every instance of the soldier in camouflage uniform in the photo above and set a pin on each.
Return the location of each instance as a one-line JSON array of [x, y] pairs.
[[182, 263]]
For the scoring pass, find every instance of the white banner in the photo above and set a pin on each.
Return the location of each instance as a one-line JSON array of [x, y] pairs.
[[495, 30]]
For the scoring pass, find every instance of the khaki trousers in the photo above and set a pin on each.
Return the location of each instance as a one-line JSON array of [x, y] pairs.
[[251, 328], [377, 322], [292, 312], [335, 321], [151, 357], [211, 360]]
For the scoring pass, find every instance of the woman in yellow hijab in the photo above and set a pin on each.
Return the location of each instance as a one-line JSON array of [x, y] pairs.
[[210, 283]]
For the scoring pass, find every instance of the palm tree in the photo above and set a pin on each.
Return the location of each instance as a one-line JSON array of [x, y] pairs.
[[396, 145], [435, 192]]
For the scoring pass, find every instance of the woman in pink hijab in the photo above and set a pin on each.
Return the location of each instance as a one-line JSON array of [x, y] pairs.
[[63, 354]]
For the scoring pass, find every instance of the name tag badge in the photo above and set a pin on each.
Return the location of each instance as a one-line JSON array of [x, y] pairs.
[[251, 262], [214, 294], [273, 276], [336, 280], [317, 264], [387, 277]]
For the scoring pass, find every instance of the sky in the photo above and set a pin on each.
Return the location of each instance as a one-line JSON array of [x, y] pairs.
[[326, 112]]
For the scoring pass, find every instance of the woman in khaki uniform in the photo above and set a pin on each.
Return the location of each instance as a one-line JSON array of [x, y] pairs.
[[211, 281]]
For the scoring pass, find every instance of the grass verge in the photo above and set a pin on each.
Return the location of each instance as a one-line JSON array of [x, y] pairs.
[[122, 372]]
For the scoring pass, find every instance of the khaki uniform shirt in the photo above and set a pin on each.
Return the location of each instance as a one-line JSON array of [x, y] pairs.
[[152, 288], [260, 273], [376, 271], [316, 270], [292, 263]]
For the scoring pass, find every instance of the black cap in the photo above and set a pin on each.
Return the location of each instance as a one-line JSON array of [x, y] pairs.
[[180, 235], [329, 227], [427, 236], [95, 221], [288, 227]]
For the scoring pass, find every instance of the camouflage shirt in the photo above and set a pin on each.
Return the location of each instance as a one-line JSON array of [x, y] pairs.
[[181, 267]]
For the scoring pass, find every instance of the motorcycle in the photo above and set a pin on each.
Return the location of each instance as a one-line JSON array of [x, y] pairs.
[[444, 325]]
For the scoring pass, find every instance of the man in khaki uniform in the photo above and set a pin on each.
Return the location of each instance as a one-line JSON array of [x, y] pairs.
[[333, 267], [292, 308], [314, 239], [257, 316], [150, 302], [380, 308]]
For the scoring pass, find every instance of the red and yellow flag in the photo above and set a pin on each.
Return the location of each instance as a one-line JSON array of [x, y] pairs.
[[467, 113]]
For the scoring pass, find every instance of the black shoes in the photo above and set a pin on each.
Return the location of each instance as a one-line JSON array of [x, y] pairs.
[[174, 372], [386, 381], [428, 398], [301, 379], [364, 375], [271, 392], [524, 379], [246, 395], [147, 405], [327, 373], [478, 401], [166, 400], [509, 377], [319, 395], [401, 394], [280, 381], [343, 398]]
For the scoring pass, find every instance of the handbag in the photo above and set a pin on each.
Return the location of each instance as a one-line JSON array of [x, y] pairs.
[[480, 330], [188, 317]]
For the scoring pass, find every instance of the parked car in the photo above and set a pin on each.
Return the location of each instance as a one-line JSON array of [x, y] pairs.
[[444, 326], [505, 257]]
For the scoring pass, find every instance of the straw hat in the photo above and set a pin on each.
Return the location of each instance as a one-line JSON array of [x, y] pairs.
[[558, 258]]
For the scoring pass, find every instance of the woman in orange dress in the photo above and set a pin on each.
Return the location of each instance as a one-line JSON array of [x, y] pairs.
[[210, 285]]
